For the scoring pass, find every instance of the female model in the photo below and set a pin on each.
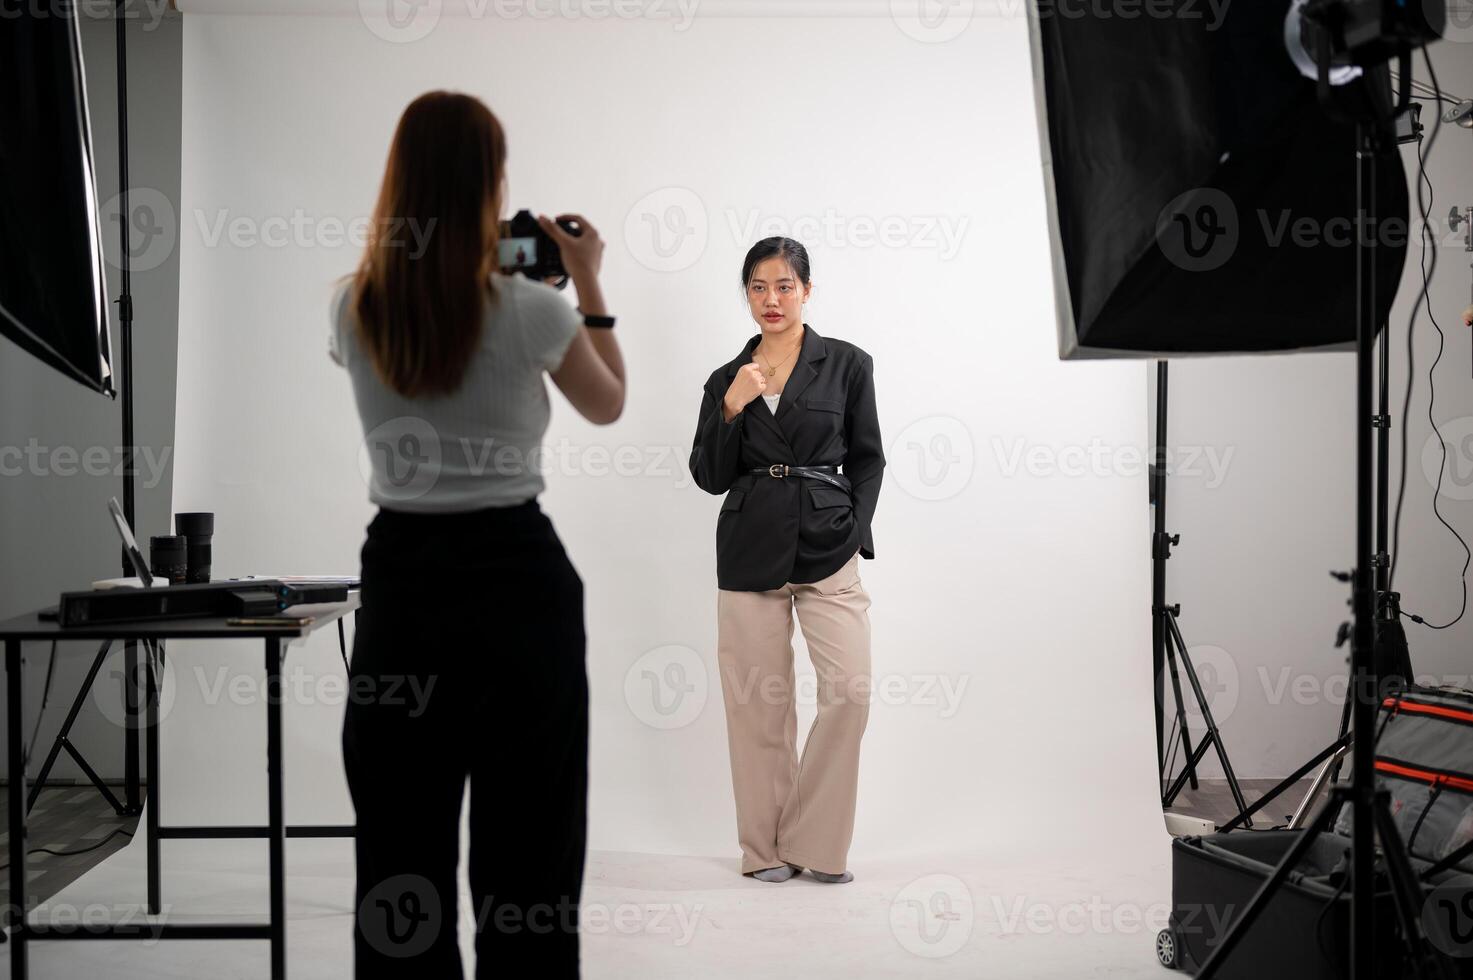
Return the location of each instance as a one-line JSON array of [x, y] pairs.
[[468, 661], [776, 425]]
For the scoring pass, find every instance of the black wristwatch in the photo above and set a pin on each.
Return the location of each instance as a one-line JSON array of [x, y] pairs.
[[597, 321]]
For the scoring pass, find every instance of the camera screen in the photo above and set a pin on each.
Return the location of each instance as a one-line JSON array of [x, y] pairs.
[[517, 253]]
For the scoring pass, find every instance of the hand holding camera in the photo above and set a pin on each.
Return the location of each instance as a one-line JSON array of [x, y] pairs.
[[553, 250]]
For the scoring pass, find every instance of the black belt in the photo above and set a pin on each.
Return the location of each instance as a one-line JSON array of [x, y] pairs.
[[828, 474]]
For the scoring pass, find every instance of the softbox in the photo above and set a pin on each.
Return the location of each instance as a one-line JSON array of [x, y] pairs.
[[52, 292], [1200, 199]]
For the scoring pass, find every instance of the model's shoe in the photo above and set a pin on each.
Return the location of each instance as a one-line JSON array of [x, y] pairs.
[[780, 873], [832, 879]]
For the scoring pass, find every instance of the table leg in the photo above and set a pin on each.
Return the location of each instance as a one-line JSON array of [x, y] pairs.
[[276, 811], [133, 798], [152, 694], [15, 913]]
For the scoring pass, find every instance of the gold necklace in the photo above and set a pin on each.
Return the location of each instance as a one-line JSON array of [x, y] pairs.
[[773, 368]]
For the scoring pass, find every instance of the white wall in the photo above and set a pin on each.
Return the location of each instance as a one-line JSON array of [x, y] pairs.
[[1258, 604], [1020, 585]]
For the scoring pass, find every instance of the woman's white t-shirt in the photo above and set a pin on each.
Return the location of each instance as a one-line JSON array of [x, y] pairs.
[[480, 446]]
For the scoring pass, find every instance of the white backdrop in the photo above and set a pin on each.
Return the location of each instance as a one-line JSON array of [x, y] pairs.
[[1011, 587]]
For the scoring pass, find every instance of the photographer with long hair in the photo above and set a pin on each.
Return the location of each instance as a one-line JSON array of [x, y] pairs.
[[469, 658]]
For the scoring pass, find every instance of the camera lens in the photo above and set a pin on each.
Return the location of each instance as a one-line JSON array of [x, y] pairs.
[[198, 529], [166, 558]]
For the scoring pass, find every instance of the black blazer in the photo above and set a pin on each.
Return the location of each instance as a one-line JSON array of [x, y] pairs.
[[771, 531]]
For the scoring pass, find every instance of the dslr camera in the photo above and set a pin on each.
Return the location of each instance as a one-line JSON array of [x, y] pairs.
[[523, 246]]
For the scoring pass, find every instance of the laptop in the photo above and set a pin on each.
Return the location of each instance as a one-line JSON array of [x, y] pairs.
[[130, 547]]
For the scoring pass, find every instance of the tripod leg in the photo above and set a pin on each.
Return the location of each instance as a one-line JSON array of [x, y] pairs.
[[1181, 710], [1407, 891], [1315, 788], [61, 740], [1212, 733], [1181, 777], [1344, 728]]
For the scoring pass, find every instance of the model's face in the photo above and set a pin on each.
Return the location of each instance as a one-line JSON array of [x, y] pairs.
[[776, 296]]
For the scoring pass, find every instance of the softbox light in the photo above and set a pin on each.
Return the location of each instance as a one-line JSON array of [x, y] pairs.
[[52, 293], [1200, 199]]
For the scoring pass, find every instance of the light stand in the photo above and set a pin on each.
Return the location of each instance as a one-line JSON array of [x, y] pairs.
[[1370, 808], [1167, 643], [132, 804]]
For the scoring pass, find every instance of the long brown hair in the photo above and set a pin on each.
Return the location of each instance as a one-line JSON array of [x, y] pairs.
[[420, 291]]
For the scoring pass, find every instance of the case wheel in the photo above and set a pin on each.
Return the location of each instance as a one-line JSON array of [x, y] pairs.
[[1168, 954]]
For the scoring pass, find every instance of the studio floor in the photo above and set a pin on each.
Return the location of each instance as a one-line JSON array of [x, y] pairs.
[[1005, 911]]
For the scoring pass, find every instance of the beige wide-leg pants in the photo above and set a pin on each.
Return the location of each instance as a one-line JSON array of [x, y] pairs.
[[792, 809]]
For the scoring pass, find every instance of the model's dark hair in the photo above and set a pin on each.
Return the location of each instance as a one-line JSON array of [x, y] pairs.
[[776, 247]]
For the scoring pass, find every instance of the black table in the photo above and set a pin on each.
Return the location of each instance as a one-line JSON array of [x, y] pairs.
[[31, 627]]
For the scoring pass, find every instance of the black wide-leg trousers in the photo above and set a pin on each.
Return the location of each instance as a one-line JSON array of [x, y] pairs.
[[468, 663]]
